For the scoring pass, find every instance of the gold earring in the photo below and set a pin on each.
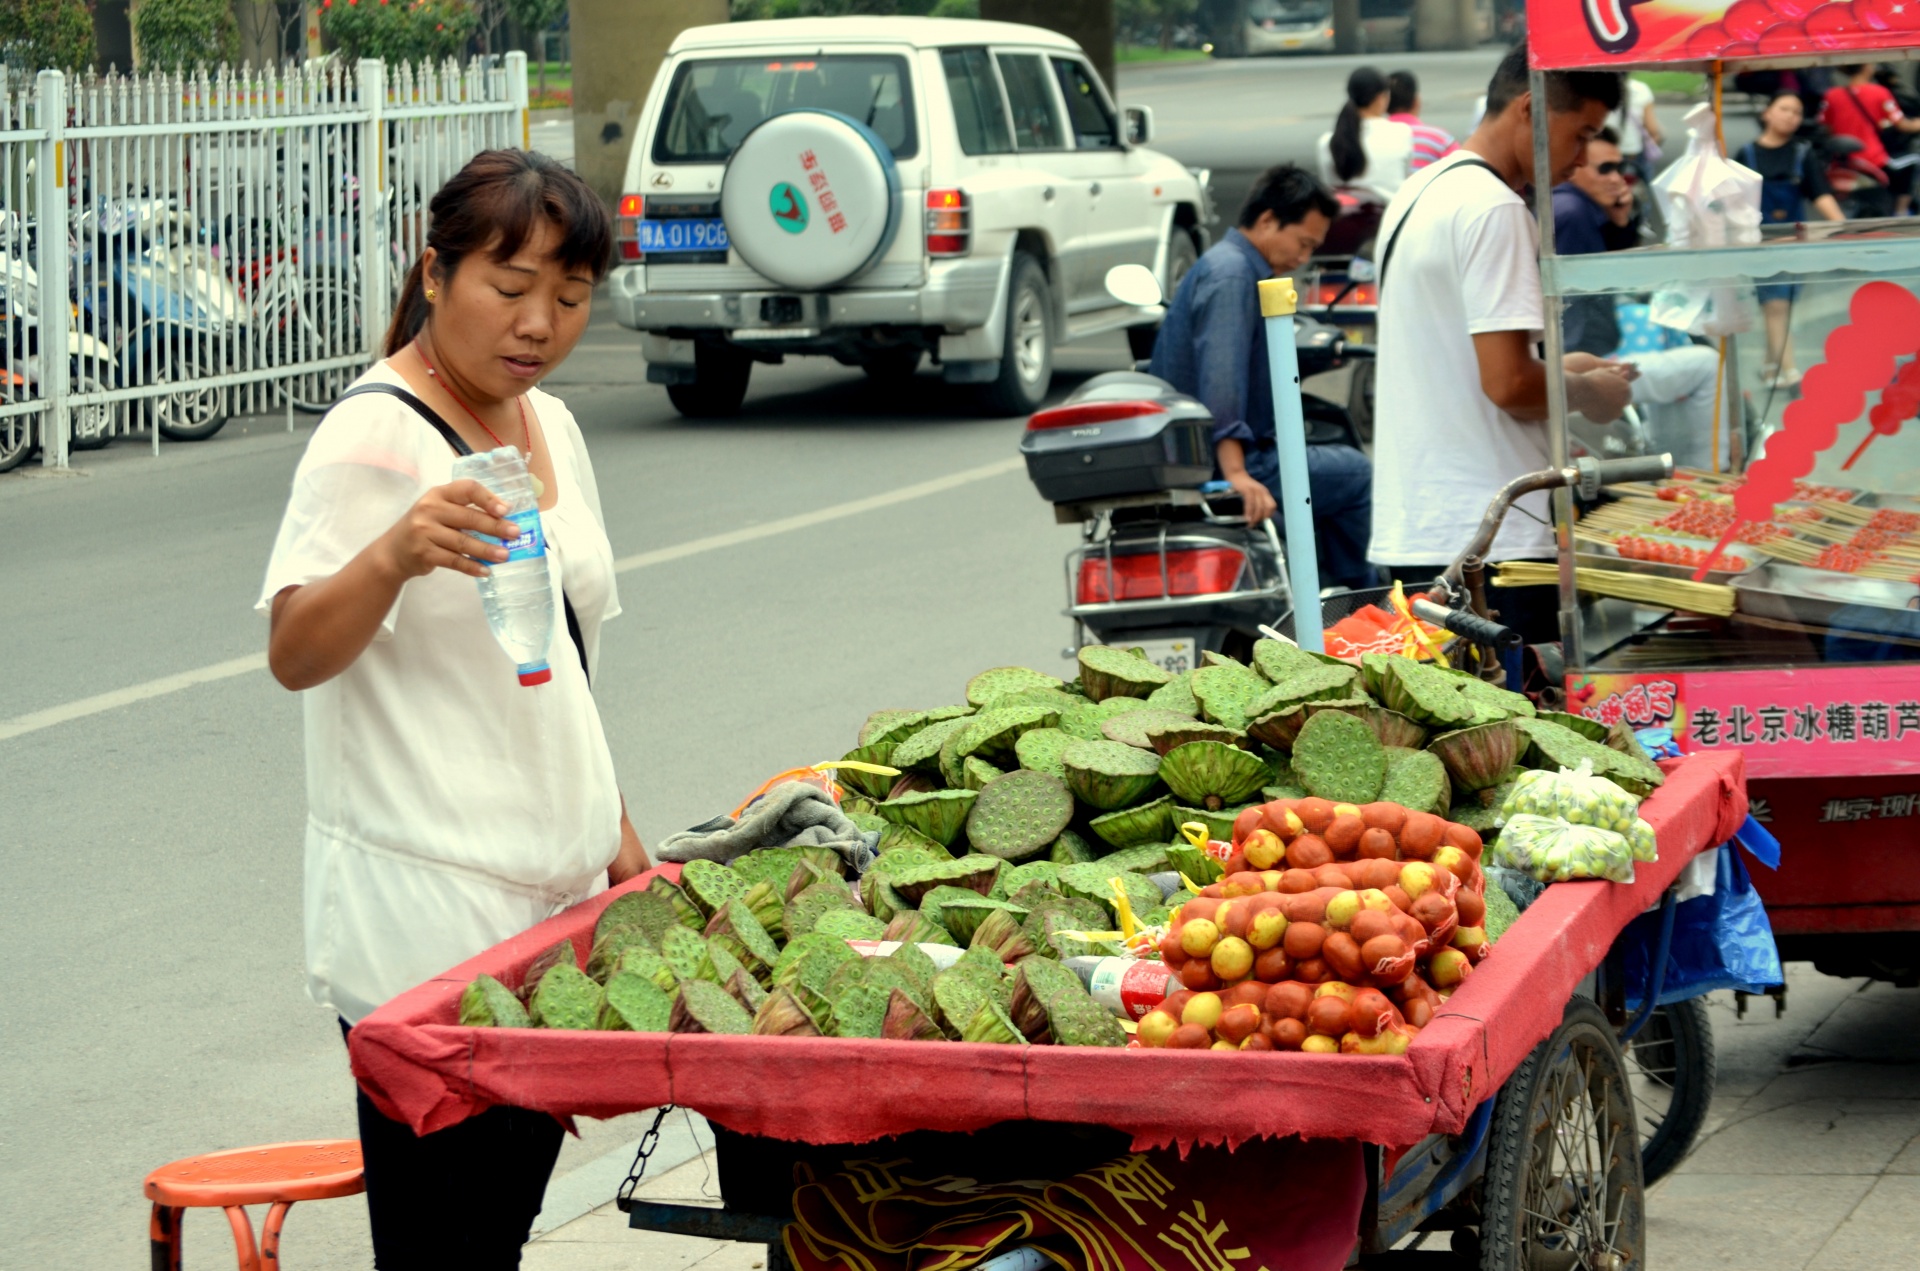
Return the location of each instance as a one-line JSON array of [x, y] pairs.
[[430, 294]]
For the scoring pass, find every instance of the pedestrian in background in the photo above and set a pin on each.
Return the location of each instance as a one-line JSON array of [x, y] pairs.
[[449, 807], [1866, 111], [1403, 107], [1638, 129], [1593, 211], [1366, 151], [1792, 180]]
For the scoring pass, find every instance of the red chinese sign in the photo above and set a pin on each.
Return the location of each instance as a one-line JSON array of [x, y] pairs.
[[816, 178], [1563, 33], [1830, 721]]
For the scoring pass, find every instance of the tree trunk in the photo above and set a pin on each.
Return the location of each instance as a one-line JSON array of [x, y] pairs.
[[1346, 26], [1088, 22], [621, 45]]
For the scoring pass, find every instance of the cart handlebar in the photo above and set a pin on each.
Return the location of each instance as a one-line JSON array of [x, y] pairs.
[[1587, 475], [1464, 622], [1640, 468]]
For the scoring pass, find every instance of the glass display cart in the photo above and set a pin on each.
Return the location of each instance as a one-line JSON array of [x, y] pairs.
[[1803, 519]]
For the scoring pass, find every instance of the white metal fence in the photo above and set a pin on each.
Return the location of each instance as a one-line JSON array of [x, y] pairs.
[[215, 244]]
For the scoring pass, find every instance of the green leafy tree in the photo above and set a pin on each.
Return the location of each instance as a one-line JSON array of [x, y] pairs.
[[535, 16], [46, 35], [186, 33], [1157, 18], [397, 30]]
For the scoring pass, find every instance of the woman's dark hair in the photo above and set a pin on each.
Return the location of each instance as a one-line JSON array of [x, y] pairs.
[[1289, 193], [1364, 87], [495, 204]]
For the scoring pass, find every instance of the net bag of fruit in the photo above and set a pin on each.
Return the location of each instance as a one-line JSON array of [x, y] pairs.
[[1578, 796], [1553, 849]]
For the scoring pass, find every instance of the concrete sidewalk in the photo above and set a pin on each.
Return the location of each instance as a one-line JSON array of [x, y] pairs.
[[1811, 1155], [1809, 1161]]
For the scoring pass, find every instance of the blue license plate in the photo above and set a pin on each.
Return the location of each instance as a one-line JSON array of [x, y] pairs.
[[695, 234]]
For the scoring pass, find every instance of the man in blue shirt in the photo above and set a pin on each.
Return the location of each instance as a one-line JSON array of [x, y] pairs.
[[1213, 346], [1593, 212]]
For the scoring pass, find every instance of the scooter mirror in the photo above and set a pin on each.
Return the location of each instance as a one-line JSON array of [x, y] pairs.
[[1133, 285]]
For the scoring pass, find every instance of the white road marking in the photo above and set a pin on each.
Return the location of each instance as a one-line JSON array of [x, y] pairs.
[[100, 703], [805, 520]]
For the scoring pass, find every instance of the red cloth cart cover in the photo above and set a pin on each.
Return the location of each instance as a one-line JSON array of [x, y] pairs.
[[422, 1067]]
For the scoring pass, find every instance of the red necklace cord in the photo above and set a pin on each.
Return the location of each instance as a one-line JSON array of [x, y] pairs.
[[521, 401]]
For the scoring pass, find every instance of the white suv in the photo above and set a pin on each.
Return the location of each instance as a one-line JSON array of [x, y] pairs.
[[879, 190]]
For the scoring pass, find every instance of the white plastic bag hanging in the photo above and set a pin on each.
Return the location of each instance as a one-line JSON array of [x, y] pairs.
[[1709, 201]]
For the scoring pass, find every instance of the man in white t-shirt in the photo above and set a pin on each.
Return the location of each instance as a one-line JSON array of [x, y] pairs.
[[1462, 392]]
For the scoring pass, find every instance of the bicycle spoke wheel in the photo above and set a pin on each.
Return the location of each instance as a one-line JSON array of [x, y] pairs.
[[1563, 1184]]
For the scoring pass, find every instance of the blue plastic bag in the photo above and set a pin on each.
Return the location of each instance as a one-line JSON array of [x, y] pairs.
[[1722, 941]]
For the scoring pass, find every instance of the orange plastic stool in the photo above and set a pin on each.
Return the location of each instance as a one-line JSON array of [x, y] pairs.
[[277, 1174]]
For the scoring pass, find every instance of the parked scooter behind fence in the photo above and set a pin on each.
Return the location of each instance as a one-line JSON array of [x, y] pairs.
[[147, 285], [91, 365]]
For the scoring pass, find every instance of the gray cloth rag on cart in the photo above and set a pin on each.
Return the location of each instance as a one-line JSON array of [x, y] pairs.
[[792, 814]]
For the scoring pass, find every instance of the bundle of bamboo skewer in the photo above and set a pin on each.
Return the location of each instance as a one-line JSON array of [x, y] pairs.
[[1712, 599]]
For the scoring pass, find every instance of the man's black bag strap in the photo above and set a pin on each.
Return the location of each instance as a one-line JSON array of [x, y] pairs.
[[460, 447], [1386, 257]]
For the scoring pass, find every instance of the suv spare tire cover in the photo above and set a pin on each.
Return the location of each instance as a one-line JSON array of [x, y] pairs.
[[811, 198]]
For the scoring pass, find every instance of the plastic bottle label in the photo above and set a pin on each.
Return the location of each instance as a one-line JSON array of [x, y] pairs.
[[1129, 987], [532, 542]]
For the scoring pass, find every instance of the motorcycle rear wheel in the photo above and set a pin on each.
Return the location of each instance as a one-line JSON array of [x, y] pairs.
[[93, 426], [192, 414], [16, 434]]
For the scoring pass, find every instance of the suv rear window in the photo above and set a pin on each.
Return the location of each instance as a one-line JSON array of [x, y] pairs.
[[714, 102], [978, 112]]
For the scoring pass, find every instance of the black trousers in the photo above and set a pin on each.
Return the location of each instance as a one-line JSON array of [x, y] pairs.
[[1532, 611], [465, 1196]]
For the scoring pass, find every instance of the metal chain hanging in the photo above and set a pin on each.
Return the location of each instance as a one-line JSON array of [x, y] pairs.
[[648, 1142]]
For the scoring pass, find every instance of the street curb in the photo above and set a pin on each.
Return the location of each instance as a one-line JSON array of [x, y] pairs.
[[580, 1191]]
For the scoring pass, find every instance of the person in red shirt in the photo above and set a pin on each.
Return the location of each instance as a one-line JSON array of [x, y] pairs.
[[1862, 109]]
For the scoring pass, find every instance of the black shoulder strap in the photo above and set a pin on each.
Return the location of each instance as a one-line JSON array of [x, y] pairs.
[[460, 447], [420, 408], [1386, 257]]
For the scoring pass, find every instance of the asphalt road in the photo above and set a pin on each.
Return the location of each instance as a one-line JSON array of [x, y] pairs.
[[845, 549]]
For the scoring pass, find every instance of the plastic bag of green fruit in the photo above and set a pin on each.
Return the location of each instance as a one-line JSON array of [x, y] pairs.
[[1554, 850], [1579, 797]]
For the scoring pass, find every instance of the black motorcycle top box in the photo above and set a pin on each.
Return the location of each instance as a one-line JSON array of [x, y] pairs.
[[1123, 433]]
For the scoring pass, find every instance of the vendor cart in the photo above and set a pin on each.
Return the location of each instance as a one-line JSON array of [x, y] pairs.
[[1508, 1121], [1814, 673]]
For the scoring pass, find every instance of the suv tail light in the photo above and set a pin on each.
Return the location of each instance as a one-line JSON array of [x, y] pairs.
[[1081, 414], [1200, 571], [949, 223], [626, 226]]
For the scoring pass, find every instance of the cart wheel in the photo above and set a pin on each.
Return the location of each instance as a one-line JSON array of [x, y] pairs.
[[1670, 1066], [1563, 1187]]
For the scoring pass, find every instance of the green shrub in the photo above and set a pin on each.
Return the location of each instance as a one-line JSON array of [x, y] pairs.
[[398, 30], [186, 33], [46, 35]]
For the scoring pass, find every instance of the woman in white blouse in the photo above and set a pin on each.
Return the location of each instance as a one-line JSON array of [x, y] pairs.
[[1366, 151], [451, 807]]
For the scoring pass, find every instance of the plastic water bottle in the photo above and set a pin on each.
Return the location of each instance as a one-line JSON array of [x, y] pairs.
[[516, 592], [1129, 987]]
